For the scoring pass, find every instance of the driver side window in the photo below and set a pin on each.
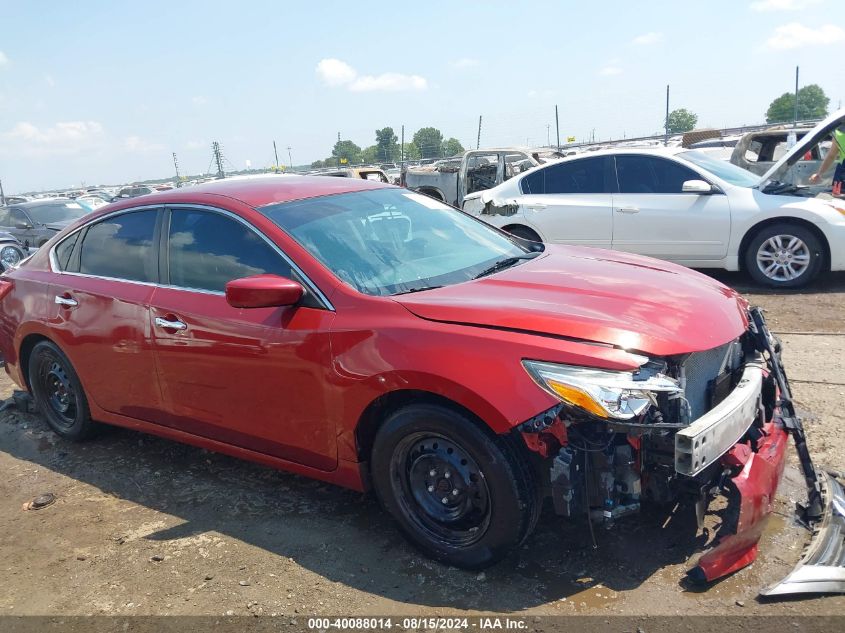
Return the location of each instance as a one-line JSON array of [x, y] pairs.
[[206, 250], [649, 174]]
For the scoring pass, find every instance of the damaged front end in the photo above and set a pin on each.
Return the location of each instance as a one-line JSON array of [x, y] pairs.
[[685, 430]]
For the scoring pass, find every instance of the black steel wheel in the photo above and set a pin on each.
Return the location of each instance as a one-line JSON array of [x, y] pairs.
[[58, 392], [460, 494]]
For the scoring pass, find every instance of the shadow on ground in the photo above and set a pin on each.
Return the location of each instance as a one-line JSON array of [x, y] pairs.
[[344, 536]]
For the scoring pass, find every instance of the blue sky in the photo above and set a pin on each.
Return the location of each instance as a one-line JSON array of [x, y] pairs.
[[102, 92]]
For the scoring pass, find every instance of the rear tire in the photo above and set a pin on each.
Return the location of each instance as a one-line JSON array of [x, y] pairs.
[[458, 494], [58, 393], [784, 256]]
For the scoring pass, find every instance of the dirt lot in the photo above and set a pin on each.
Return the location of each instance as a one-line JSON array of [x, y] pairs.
[[146, 526]]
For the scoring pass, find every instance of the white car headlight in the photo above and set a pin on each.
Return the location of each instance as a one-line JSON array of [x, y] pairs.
[[607, 394], [10, 256]]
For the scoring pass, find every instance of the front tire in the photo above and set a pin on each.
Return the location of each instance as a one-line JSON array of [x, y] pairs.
[[58, 393], [460, 495], [784, 256]]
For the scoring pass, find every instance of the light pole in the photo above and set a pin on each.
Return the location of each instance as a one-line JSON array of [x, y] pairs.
[[290, 160]]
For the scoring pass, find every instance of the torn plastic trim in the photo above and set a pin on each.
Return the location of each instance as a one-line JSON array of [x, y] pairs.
[[822, 567]]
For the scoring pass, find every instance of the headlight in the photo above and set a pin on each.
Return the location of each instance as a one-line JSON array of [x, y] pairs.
[[607, 394], [10, 256]]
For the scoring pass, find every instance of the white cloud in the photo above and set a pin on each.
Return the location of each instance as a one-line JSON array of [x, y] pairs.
[[199, 100], [465, 62], [648, 38], [3, 59], [62, 132], [195, 144], [389, 82], [608, 71], [137, 144], [782, 5], [65, 137], [795, 35], [335, 72], [48, 79]]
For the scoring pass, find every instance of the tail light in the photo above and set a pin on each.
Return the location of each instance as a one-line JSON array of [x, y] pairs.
[[6, 286]]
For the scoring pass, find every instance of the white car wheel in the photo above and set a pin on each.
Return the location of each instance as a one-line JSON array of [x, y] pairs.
[[783, 258]]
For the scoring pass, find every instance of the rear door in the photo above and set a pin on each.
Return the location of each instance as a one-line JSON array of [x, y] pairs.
[[100, 310], [653, 216], [254, 378], [570, 202]]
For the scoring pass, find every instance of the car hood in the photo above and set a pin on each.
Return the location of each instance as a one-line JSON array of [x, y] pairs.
[[817, 134], [632, 302]]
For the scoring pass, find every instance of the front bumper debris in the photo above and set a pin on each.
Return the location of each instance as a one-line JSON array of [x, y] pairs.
[[822, 567]]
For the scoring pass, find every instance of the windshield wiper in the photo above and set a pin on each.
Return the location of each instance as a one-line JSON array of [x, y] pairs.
[[507, 262], [418, 289], [777, 186]]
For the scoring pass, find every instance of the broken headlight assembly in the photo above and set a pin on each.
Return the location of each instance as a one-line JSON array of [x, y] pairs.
[[617, 395]]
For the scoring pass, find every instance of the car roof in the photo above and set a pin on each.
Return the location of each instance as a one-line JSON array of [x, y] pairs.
[[40, 203], [270, 189]]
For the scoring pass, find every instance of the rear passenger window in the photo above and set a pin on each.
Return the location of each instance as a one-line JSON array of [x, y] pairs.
[[121, 247], [65, 249], [585, 175], [207, 249]]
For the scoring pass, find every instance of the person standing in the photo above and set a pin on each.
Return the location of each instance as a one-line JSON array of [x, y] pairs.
[[836, 153]]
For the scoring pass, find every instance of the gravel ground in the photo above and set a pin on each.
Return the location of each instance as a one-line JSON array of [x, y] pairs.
[[146, 526]]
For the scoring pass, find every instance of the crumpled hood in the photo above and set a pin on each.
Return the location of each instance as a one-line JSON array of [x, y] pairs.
[[629, 301], [816, 135]]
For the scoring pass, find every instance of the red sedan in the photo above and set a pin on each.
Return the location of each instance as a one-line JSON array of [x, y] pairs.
[[368, 336]]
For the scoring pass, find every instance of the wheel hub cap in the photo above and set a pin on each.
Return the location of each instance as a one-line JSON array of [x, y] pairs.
[[783, 257]]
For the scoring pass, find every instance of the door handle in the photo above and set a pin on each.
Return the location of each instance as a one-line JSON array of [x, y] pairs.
[[536, 206], [66, 301], [176, 324], [628, 210]]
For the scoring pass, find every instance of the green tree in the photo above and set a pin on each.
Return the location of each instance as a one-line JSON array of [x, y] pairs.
[[429, 140], [347, 150], [370, 154], [386, 143], [412, 152], [812, 104], [681, 120], [452, 147]]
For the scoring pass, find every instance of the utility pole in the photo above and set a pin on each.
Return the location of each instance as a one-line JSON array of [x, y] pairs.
[[666, 127], [276, 154], [478, 142], [2, 195], [176, 165], [218, 158], [338, 156], [557, 128], [402, 149], [548, 134], [290, 158], [795, 112]]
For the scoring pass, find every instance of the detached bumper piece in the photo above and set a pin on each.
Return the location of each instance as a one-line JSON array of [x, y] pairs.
[[822, 567]]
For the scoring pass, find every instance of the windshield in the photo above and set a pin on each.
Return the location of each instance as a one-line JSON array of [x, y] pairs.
[[59, 212], [391, 241], [721, 168]]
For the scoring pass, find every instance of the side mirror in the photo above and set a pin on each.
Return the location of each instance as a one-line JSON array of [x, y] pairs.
[[697, 186], [263, 291], [24, 226]]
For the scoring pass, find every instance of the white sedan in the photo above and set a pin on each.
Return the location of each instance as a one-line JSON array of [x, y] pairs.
[[683, 206]]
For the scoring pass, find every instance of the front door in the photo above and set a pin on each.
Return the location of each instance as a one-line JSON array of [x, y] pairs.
[[570, 202], [254, 378], [652, 216]]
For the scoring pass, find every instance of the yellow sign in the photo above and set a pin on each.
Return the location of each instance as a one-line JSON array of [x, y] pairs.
[[570, 139], [343, 161]]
